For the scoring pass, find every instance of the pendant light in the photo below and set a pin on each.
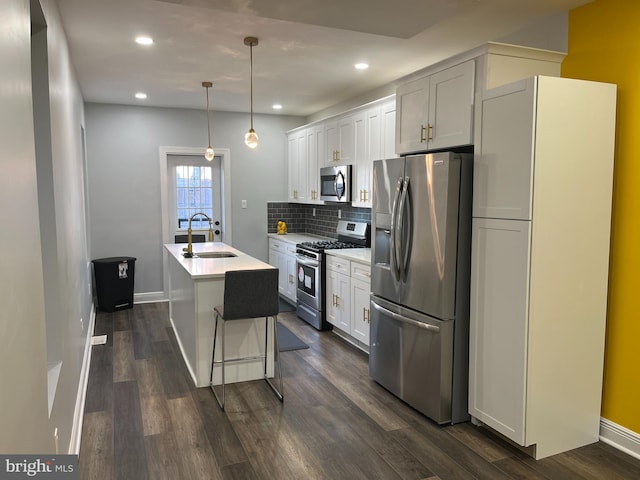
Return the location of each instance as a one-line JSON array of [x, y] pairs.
[[251, 137], [208, 153]]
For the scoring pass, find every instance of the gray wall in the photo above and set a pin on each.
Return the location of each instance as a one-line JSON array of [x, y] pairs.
[[124, 177], [25, 320]]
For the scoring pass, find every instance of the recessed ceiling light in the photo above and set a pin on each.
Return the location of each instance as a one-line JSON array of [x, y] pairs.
[[143, 40], [361, 66], [141, 95], [276, 106]]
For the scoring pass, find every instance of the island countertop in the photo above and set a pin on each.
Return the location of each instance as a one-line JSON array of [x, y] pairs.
[[200, 268]]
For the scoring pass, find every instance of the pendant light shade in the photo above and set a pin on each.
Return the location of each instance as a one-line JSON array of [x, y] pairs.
[[208, 153], [251, 137]]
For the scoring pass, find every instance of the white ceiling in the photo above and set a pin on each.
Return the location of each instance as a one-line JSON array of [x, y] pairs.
[[306, 51]]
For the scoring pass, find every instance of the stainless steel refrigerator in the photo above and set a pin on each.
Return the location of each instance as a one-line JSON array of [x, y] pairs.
[[420, 269]]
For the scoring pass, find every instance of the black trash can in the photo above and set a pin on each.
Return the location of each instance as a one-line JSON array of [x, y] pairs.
[[114, 282]]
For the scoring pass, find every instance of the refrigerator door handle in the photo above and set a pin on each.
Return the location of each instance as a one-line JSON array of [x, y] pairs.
[[393, 241], [405, 242], [402, 318]]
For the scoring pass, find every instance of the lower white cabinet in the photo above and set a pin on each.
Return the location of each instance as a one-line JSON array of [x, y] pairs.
[[348, 305], [338, 296], [283, 255], [360, 301]]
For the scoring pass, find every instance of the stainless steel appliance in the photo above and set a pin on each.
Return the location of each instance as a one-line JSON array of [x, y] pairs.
[[335, 183], [311, 277], [421, 219]]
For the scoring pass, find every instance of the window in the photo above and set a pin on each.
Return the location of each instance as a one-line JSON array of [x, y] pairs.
[[194, 193], [194, 186]]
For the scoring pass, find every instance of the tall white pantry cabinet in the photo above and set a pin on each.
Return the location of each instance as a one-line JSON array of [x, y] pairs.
[[543, 179]]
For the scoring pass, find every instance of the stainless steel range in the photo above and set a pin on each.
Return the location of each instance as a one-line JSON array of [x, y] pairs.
[[312, 273]]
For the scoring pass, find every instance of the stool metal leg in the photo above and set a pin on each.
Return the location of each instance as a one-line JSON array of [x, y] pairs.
[[213, 361], [276, 357]]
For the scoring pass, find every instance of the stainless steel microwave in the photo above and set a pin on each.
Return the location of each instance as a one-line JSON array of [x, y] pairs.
[[335, 184]]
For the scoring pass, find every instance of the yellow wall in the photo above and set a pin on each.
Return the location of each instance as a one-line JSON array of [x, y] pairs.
[[604, 45]]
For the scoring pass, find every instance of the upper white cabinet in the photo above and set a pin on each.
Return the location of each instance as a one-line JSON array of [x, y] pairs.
[[364, 135], [298, 166], [543, 176], [375, 142], [340, 141], [436, 111], [315, 155]]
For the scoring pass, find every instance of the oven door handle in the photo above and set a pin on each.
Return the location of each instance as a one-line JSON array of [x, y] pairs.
[[305, 261]]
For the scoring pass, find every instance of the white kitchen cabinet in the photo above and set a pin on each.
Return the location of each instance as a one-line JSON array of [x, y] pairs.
[[348, 292], [387, 131], [298, 166], [379, 143], [338, 299], [540, 257], [436, 111], [283, 255], [315, 154], [361, 173], [339, 141], [360, 302]]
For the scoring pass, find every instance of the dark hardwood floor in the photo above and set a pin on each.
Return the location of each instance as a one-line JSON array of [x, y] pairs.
[[144, 419]]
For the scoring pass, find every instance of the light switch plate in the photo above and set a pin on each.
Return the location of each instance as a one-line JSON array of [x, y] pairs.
[[244, 204]]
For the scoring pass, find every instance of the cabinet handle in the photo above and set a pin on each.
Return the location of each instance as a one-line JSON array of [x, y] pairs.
[[337, 301], [364, 314], [366, 195], [290, 278], [422, 131], [368, 316], [430, 132]]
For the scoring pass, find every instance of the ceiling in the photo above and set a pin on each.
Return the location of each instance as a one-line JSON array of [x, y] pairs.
[[306, 51]]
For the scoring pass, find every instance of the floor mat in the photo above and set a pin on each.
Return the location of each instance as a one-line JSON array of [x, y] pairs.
[[287, 341]]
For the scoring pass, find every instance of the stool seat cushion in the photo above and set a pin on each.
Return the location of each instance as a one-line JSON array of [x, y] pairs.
[[250, 294]]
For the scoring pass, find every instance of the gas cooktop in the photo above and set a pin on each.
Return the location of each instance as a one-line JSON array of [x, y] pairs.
[[350, 235], [322, 245]]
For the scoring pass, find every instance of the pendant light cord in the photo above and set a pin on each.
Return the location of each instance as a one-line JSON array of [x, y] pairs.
[[251, 77], [208, 119]]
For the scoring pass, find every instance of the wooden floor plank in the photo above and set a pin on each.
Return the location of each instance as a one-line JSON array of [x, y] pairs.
[[96, 450], [164, 457], [123, 367], [129, 449], [198, 459], [223, 440], [145, 419]]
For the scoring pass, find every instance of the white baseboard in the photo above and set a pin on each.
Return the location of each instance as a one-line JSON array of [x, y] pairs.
[[150, 297], [620, 437], [78, 414]]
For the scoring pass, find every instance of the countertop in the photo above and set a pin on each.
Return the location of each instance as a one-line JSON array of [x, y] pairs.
[[297, 237], [200, 268], [361, 255]]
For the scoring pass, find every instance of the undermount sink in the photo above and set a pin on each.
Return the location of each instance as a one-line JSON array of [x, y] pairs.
[[214, 255]]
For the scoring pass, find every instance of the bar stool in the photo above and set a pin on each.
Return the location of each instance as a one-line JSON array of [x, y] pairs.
[[248, 294]]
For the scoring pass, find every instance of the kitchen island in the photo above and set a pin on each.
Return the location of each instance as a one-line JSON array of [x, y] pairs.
[[196, 286]]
